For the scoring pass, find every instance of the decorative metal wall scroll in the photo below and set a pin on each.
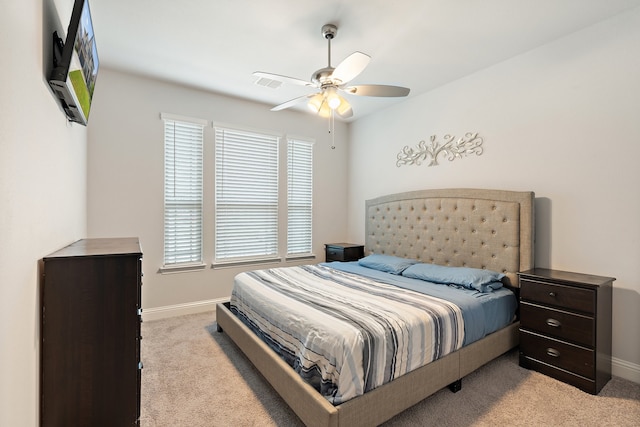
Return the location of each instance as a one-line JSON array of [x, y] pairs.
[[470, 144]]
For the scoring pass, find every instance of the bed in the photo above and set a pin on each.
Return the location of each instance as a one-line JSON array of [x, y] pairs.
[[473, 228]]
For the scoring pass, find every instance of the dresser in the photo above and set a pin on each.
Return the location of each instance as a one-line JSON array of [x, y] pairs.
[[565, 326], [343, 252], [90, 334]]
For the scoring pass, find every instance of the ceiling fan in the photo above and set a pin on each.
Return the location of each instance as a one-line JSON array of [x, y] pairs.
[[331, 81]]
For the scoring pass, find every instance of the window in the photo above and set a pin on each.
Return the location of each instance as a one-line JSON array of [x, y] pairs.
[[183, 139], [299, 197], [246, 196]]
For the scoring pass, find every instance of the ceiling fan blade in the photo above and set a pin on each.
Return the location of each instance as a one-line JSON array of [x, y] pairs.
[[292, 102], [353, 65], [377, 90], [280, 78]]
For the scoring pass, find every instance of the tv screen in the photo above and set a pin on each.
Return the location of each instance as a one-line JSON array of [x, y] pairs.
[[75, 65]]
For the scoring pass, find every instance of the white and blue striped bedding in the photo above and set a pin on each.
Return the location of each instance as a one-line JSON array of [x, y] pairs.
[[346, 332], [483, 313]]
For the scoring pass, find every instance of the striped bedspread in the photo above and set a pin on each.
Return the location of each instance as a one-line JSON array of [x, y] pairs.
[[343, 333]]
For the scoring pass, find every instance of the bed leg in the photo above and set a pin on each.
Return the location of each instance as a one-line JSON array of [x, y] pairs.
[[218, 328], [455, 386]]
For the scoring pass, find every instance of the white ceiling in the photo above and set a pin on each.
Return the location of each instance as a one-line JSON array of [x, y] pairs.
[[216, 45]]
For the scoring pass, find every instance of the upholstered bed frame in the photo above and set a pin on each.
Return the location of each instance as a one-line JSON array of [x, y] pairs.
[[478, 228]]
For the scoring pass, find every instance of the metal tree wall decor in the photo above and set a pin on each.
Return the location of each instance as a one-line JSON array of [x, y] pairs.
[[471, 143]]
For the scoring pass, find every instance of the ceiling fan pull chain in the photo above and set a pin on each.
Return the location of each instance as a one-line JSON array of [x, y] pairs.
[[331, 130]]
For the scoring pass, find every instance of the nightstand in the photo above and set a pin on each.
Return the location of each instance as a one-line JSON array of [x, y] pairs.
[[565, 326], [343, 252]]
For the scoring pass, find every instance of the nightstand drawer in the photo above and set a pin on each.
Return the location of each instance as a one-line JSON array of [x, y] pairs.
[[565, 356], [566, 297], [585, 384], [335, 253], [560, 324]]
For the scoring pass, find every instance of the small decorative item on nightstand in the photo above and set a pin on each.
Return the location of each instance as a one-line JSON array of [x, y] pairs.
[[565, 326], [343, 252]]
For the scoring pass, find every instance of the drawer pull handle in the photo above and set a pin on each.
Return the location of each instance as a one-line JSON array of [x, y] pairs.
[[553, 352], [552, 294], [553, 323]]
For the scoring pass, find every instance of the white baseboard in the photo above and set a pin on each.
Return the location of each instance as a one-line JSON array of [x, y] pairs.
[[627, 370], [157, 313]]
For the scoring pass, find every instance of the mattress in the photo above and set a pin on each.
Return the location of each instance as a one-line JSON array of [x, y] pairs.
[[347, 329]]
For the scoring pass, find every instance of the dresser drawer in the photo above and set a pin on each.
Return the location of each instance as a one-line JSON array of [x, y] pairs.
[[560, 324], [566, 297], [563, 355]]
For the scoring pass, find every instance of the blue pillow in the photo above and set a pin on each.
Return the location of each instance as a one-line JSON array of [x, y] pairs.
[[388, 263], [471, 278]]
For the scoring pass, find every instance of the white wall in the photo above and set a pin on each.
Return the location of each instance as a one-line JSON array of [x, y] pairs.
[[42, 195], [125, 178], [561, 120]]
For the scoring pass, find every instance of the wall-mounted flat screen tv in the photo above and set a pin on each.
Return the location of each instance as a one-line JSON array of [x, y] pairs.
[[75, 65]]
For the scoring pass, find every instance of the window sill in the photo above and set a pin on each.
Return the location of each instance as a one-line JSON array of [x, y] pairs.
[[238, 263], [181, 268], [300, 257]]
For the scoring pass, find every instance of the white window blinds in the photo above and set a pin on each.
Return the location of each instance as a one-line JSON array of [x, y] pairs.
[[182, 191], [299, 197], [246, 196]]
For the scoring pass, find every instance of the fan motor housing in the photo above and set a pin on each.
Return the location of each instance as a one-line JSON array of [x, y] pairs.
[[322, 76]]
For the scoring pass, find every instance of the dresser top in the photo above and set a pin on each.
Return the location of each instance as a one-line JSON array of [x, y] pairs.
[[101, 246]]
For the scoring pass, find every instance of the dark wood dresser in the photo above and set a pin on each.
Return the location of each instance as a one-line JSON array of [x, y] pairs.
[[565, 326], [90, 331], [343, 252]]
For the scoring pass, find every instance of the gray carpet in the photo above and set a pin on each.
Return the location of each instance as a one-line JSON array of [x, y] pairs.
[[193, 376]]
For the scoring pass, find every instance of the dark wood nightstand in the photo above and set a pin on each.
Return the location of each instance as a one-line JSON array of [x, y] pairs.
[[565, 326], [343, 252]]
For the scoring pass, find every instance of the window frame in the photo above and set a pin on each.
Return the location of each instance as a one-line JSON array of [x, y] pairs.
[[231, 142], [299, 197], [190, 194]]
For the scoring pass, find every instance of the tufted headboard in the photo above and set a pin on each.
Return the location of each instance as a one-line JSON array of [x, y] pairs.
[[460, 227]]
